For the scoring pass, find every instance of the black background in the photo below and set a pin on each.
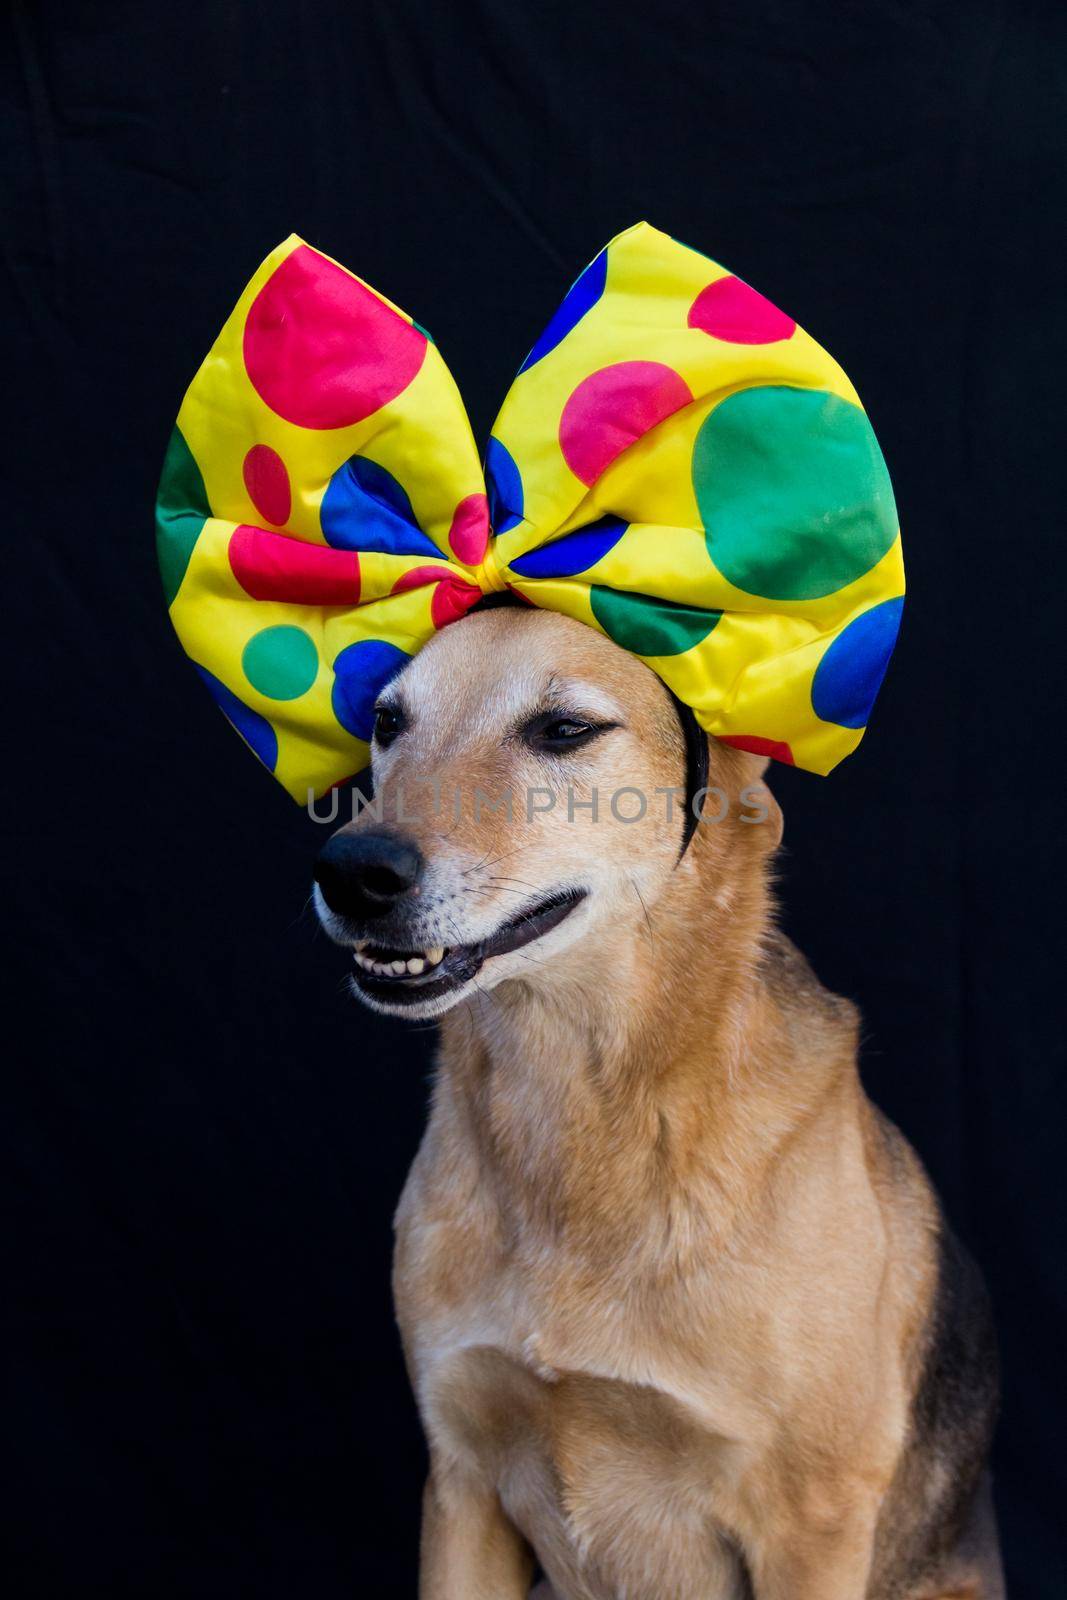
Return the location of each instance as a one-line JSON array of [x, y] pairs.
[[206, 1137]]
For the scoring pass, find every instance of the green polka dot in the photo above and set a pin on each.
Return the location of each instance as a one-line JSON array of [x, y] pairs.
[[793, 492], [181, 510], [281, 662], [649, 627]]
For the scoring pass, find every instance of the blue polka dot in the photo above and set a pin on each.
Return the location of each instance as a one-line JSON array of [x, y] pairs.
[[850, 674], [582, 295], [254, 729], [365, 508], [574, 553], [504, 483], [361, 672]]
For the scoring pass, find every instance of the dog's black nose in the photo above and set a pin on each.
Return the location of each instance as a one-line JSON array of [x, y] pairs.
[[364, 875]]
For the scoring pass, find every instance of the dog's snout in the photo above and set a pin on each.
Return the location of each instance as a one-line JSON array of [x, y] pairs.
[[364, 875]]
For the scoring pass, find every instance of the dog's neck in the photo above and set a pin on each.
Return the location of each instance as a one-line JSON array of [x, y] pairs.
[[601, 1091]]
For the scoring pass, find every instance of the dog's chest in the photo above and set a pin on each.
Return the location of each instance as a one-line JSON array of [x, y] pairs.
[[620, 1484]]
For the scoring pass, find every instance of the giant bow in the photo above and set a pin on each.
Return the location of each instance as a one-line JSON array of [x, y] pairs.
[[676, 463]]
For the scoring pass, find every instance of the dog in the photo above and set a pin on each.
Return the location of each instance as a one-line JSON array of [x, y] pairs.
[[681, 1312]]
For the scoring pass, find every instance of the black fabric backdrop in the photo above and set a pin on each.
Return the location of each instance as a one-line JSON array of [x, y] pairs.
[[205, 1136]]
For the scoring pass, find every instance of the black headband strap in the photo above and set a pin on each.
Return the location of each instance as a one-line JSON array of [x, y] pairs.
[[696, 769]]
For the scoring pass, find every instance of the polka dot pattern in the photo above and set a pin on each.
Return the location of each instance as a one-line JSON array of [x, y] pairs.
[[573, 553], [366, 508], [613, 408], [729, 310], [504, 484], [452, 595], [793, 492], [850, 674], [650, 627], [272, 566], [468, 537], [677, 463], [580, 298], [775, 749], [281, 662], [267, 483], [254, 729], [181, 510], [361, 672], [321, 349]]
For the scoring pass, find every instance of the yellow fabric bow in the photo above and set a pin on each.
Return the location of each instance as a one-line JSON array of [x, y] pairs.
[[676, 463]]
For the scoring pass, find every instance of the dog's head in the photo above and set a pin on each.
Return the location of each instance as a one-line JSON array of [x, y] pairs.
[[529, 788]]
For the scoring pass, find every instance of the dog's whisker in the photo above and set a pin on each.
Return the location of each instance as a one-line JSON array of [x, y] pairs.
[[494, 891], [483, 992], [302, 916], [504, 855], [540, 961], [648, 920]]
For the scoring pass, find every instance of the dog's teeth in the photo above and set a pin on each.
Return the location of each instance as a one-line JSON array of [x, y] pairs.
[[398, 968]]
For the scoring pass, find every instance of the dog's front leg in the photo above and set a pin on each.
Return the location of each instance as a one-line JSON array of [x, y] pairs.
[[469, 1551], [828, 1560]]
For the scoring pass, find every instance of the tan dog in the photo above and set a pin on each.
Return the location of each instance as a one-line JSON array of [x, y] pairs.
[[682, 1316]]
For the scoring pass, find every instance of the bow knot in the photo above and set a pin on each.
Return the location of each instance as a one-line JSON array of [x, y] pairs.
[[488, 572]]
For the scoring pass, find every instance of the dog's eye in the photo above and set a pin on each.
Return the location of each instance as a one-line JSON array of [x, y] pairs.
[[388, 722], [563, 731], [553, 732]]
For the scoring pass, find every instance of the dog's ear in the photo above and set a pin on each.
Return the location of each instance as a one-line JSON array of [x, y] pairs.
[[758, 805]]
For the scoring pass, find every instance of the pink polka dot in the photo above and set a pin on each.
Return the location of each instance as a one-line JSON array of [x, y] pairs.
[[321, 349], [452, 596], [271, 566], [613, 408], [452, 599], [729, 310], [756, 745], [267, 483], [468, 537]]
